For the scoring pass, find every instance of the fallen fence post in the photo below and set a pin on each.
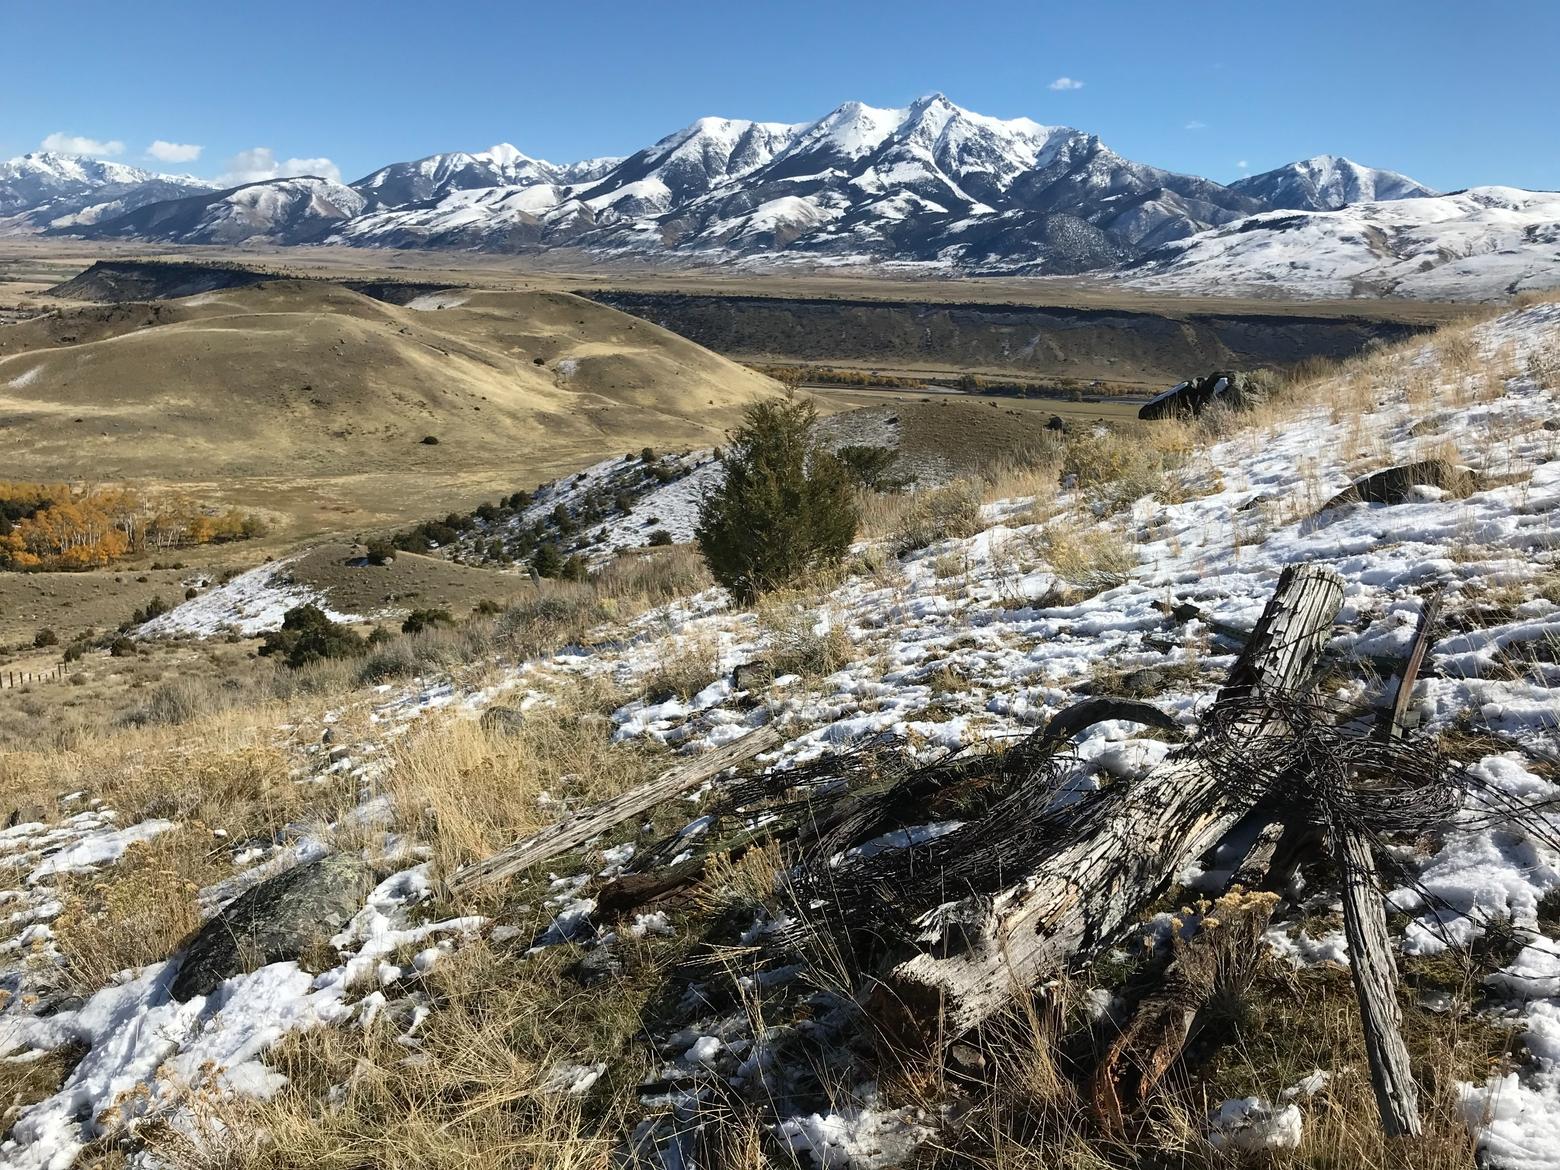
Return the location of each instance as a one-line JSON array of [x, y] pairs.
[[580, 827], [1371, 965]]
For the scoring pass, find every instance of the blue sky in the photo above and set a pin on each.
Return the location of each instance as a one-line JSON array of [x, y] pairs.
[[1453, 93]]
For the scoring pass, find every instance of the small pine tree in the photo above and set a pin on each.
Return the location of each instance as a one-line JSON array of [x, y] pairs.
[[785, 508], [426, 619], [308, 635], [547, 560]]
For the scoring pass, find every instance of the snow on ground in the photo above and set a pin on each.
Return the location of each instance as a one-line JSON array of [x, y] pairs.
[[669, 505], [251, 603], [430, 302], [970, 639], [148, 1055]]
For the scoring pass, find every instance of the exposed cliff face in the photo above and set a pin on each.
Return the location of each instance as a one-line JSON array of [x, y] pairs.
[[1108, 344]]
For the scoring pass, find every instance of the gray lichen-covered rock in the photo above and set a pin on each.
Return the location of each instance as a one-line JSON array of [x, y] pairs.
[[279, 919], [503, 720], [1396, 485], [1230, 388]]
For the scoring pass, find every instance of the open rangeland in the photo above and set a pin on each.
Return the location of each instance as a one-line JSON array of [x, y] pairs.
[[666, 985]]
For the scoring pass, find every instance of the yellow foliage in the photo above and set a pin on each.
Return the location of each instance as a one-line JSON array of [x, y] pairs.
[[53, 526]]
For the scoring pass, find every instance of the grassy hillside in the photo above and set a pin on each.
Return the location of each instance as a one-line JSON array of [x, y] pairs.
[[529, 1024], [313, 402]]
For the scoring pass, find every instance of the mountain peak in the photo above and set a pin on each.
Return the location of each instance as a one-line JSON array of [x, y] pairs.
[[1326, 182], [505, 155]]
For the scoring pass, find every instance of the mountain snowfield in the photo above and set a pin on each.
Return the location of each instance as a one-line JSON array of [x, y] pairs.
[[1486, 243], [931, 188], [47, 190], [987, 610], [303, 210]]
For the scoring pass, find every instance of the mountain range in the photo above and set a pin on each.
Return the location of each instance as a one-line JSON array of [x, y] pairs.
[[930, 186]]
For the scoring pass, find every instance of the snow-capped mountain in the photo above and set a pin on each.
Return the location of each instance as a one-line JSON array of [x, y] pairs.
[[434, 177], [46, 189], [931, 187], [1326, 183], [301, 210], [1486, 242], [932, 184]]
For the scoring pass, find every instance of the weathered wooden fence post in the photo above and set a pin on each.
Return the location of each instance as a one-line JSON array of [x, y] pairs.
[[1087, 892]]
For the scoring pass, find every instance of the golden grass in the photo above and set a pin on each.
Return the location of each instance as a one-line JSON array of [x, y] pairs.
[[942, 513], [1084, 553], [791, 620], [227, 770], [684, 666], [474, 1094], [137, 912], [467, 791]]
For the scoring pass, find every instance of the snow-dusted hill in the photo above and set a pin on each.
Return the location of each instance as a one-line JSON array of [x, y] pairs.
[[1020, 634], [1326, 183], [1484, 243]]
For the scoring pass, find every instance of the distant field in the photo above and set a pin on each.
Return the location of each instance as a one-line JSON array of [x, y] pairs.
[[1089, 409], [42, 262]]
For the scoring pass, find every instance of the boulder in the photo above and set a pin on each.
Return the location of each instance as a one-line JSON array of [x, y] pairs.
[[1395, 485], [752, 676], [1188, 399], [279, 919], [503, 720]]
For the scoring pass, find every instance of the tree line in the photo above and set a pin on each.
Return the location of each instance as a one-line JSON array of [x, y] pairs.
[[56, 526]]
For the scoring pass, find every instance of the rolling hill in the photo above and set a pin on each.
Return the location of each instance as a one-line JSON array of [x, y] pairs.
[[313, 401]]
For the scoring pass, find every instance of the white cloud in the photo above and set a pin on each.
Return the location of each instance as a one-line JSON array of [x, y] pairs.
[[1066, 83], [260, 163], [174, 152], [1243, 165], [1194, 124], [76, 144]]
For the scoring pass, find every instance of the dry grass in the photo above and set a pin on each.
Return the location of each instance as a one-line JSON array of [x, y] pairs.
[[802, 638], [943, 513], [468, 791], [473, 1095], [683, 667], [226, 770], [1086, 554], [137, 912]]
